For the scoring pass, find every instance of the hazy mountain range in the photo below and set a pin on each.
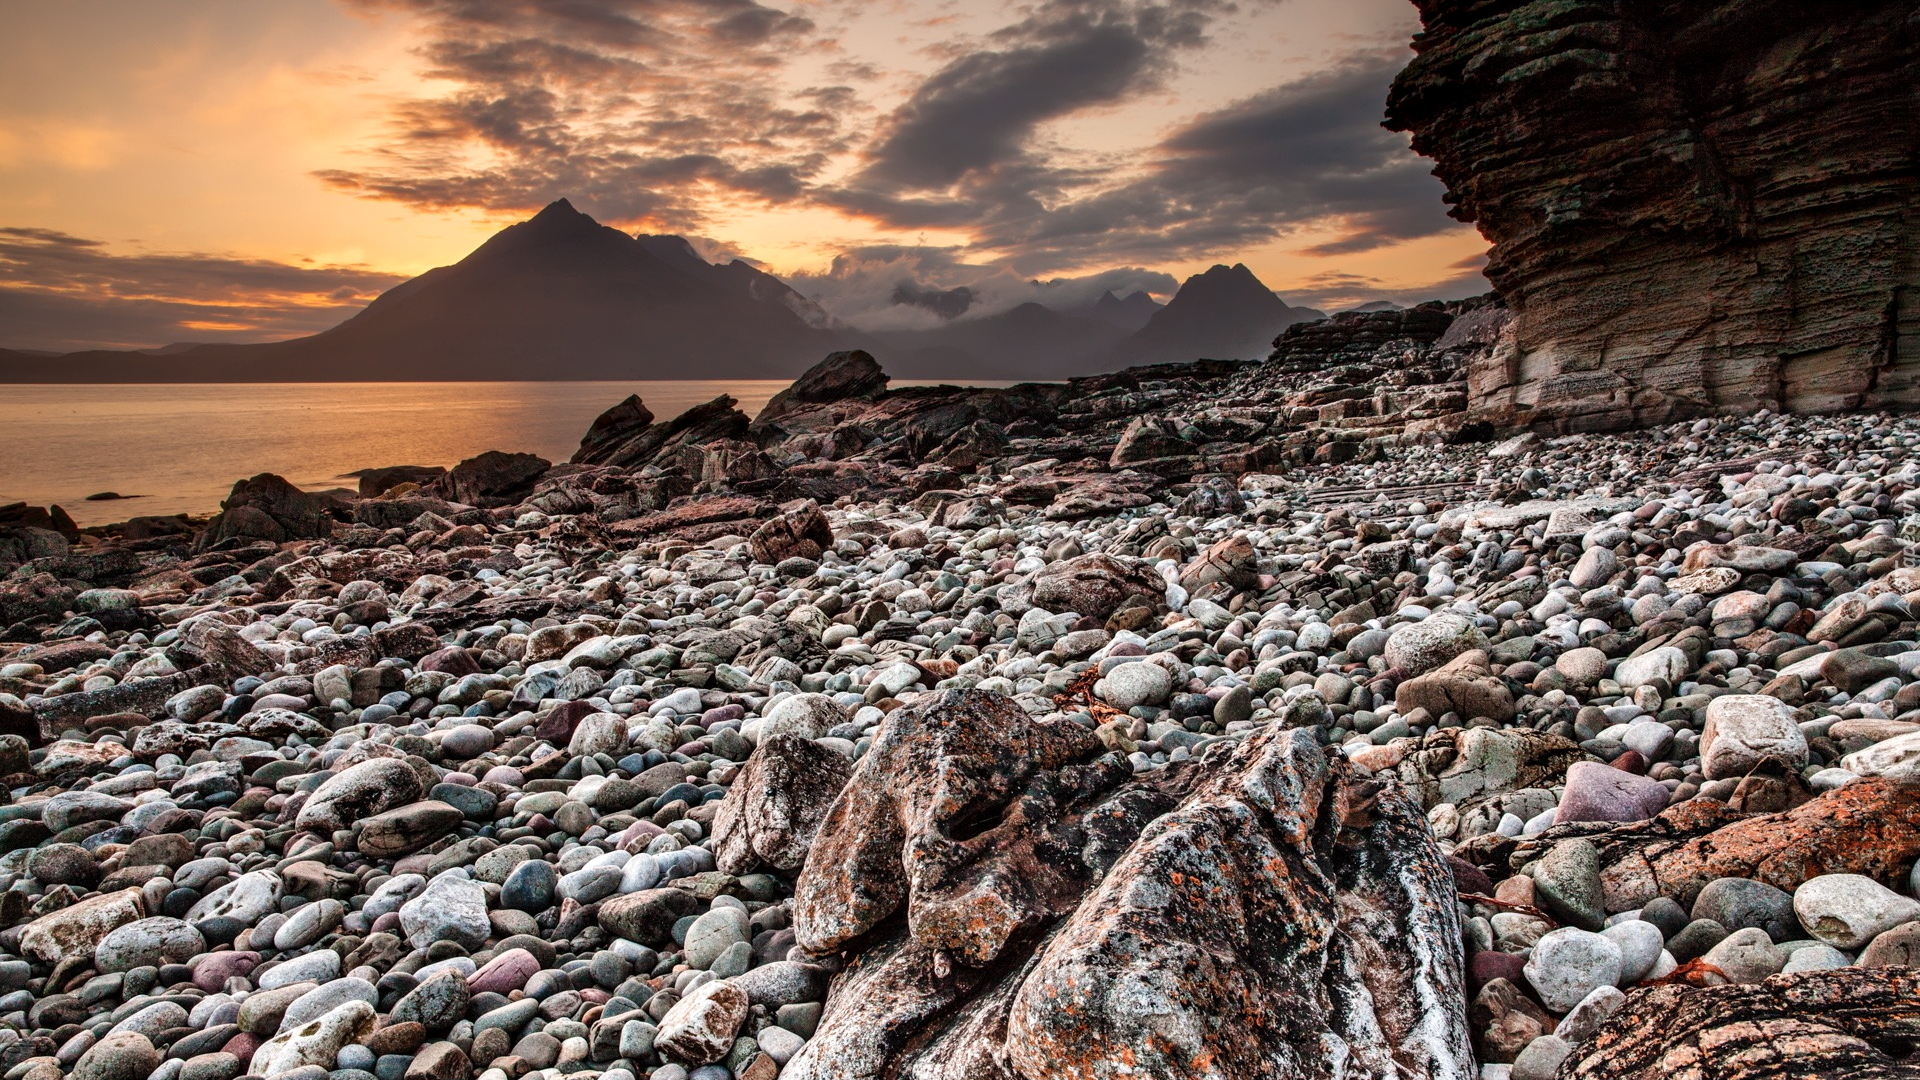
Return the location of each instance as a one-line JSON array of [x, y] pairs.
[[560, 296]]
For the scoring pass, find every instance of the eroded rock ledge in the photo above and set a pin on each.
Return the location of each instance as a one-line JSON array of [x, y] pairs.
[[1694, 207]]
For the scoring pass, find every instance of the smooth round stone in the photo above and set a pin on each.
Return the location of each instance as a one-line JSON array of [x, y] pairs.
[[356, 1056], [1824, 958], [148, 942], [465, 742], [319, 966], [308, 924], [1849, 910], [1695, 939], [1596, 792], [1738, 903], [712, 934], [1640, 945], [477, 804], [1583, 666], [507, 972], [1744, 730], [530, 887], [505, 775], [1568, 964], [1747, 956], [1134, 684]]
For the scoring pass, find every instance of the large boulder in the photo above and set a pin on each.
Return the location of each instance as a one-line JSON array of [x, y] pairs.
[[611, 428], [1261, 905], [269, 507], [800, 531], [358, 792]]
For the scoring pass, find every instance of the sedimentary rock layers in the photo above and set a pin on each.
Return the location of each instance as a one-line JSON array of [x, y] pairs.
[[1693, 207]]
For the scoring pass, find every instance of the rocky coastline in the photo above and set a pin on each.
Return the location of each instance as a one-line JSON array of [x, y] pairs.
[[1212, 720]]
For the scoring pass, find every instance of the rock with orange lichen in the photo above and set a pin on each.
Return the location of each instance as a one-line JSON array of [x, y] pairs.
[[1822, 1025], [1262, 912], [1869, 827]]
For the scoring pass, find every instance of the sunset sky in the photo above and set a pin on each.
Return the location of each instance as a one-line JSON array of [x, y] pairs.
[[237, 170]]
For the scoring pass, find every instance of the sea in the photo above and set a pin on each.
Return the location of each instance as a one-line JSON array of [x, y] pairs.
[[177, 448]]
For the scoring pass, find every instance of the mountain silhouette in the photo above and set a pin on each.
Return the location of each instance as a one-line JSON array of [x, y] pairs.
[[1131, 313], [1223, 314], [558, 296]]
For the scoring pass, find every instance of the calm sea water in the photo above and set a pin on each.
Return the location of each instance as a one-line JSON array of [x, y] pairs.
[[182, 446]]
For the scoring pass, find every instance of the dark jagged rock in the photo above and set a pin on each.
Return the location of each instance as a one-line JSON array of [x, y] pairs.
[[628, 443], [268, 507], [377, 482], [610, 428], [1062, 920], [1693, 207], [493, 478], [843, 376]]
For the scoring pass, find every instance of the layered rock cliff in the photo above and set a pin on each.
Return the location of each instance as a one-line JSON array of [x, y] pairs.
[[1694, 207]]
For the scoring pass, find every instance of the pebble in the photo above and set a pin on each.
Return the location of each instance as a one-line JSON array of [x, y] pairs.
[[1569, 963]]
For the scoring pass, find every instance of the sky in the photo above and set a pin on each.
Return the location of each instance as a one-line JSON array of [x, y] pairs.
[[231, 170]]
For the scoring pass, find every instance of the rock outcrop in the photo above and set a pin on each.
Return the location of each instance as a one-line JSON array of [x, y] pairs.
[[1693, 208], [1260, 912]]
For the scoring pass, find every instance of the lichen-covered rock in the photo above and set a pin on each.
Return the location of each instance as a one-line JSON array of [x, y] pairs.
[[1870, 827], [1851, 1022], [775, 806], [1466, 765], [1257, 907]]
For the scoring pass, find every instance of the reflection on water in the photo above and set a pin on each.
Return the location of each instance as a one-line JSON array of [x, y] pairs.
[[183, 445]]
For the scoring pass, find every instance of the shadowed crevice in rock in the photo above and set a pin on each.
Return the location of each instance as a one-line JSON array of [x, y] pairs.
[[1260, 912]]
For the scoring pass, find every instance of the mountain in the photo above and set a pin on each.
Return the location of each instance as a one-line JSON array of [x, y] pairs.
[[1129, 314], [558, 296], [1223, 314], [1031, 341]]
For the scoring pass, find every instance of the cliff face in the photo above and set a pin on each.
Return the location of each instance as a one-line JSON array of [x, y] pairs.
[[1694, 207]]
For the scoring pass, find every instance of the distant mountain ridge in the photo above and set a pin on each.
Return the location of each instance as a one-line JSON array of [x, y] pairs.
[[562, 297], [558, 296]]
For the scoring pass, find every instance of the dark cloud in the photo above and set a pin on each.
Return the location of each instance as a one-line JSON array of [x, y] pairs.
[[61, 292], [946, 303], [634, 109], [1305, 153]]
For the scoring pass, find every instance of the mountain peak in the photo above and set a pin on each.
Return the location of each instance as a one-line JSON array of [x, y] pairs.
[[560, 216]]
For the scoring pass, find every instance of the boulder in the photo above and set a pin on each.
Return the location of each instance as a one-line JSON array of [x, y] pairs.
[[1200, 922]]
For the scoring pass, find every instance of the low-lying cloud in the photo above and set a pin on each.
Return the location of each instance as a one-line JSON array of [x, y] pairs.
[[61, 292]]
